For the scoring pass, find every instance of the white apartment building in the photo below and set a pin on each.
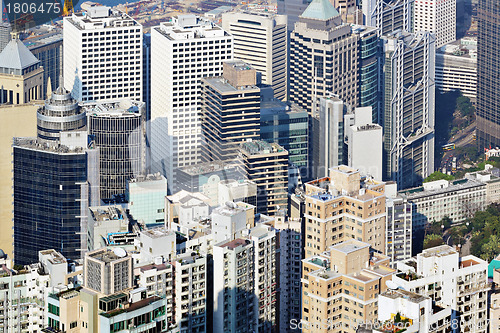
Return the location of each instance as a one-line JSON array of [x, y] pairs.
[[102, 55], [260, 39], [438, 17], [183, 51], [424, 316], [458, 282], [458, 199], [190, 273], [398, 229]]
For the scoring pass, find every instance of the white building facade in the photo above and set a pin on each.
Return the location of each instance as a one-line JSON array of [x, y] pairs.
[[438, 17]]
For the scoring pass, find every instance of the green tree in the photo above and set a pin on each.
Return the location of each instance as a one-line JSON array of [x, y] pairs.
[[437, 175], [432, 240], [490, 249]]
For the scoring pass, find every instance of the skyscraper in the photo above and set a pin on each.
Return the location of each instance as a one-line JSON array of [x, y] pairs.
[[230, 107], [102, 55], [182, 53], [260, 39], [408, 107], [388, 15], [323, 57], [5, 30], [438, 17], [118, 131], [488, 71], [292, 9]]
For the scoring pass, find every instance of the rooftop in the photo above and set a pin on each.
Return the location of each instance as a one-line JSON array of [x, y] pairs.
[[235, 243], [438, 251], [123, 108], [207, 167], [147, 178], [189, 26], [107, 255], [456, 185], [400, 293], [157, 232], [106, 213], [222, 85], [259, 147], [320, 10], [16, 56], [42, 145], [55, 257], [350, 246]]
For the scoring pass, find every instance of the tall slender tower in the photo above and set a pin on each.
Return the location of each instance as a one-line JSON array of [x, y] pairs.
[[488, 71]]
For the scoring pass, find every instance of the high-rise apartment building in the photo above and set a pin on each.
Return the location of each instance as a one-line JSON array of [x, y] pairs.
[[21, 74], [408, 106], [324, 58], [437, 17], [183, 51], [399, 228], [261, 40], [388, 15], [266, 164], [146, 199], [340, 287], [341, 207], [488, 69], [118, 130], [102, 55], [230, 107], [108, 272]]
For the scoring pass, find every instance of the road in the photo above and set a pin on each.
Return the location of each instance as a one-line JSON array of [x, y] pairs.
[[463, 138]]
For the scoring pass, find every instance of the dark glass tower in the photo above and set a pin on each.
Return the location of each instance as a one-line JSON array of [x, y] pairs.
[[488, 73], [49, 189]]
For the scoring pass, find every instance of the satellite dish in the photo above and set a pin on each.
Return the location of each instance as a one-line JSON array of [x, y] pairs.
[[120, 253], [391, 285]]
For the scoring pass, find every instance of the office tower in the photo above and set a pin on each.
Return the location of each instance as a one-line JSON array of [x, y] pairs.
[[388, 15], [102, 55], [59, 114], [460, 282], [399, 228], [408, 105], [230, 107], [146, 199], [118, 130], [21, 74], [330, 49], [108, 271], [353, 275], [288, 126], [104, 221], [288, 271], [205, 177], [327, 136], [363, 139], [48, 48], [364, 220], [233, 286], [184, 51], [456, 69], [15, 121], [190, 271], [267, 165], [261, 40], [438, 17], [5, 30], [50, 198], [488, 69], [423, 312], [146, 73], [369, 68]]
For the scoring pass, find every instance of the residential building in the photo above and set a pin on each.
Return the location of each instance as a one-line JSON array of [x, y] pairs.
[[230, 108], [288, 126], [343, 206], [237, 191], [261, 40], [488, 68], [399, 229], [102, 55], [340, 287], [458, 200], [458, 282], [48, 48], [419, 313], [494, 301], [456, 69], [146, 199], [321, 40], [21, 74], [15, 121], [364, 143], [119, 132], [186, 49], [439, 18], [266, 164], [388, 16], [408, 107]]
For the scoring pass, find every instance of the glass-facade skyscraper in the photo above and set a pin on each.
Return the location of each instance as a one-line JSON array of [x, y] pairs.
[[488, 71]]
